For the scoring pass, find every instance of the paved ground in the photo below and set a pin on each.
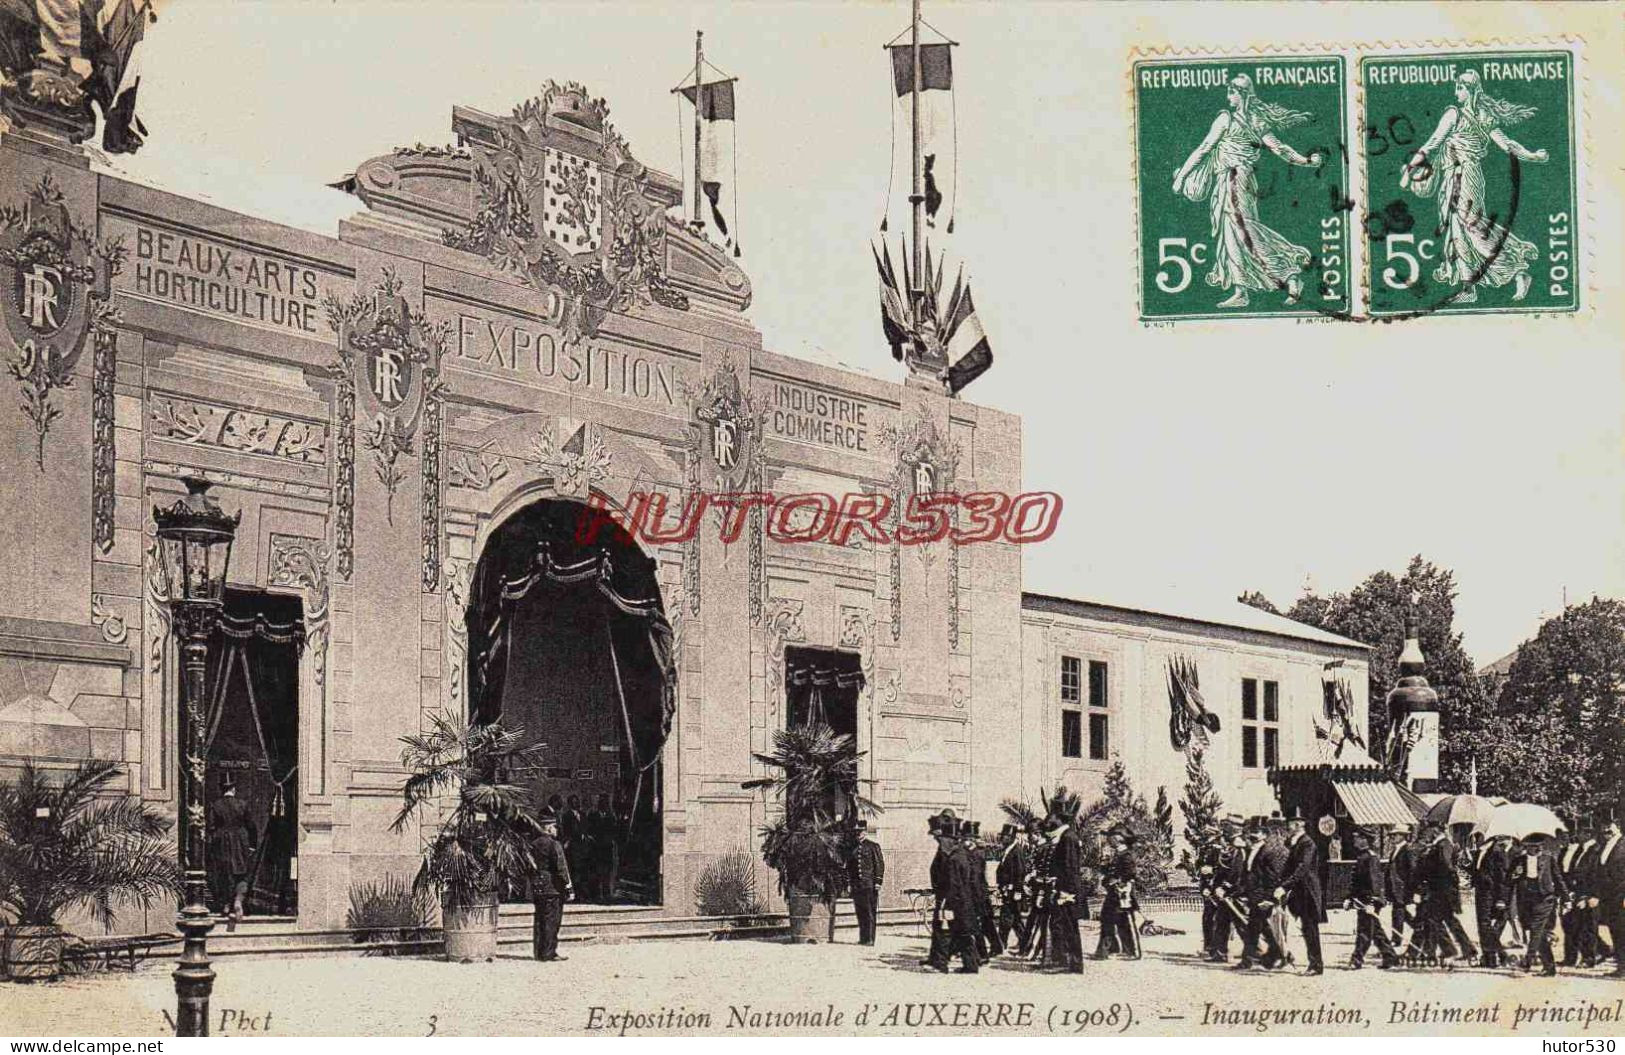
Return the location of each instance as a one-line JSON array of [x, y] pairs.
[[741, 984]]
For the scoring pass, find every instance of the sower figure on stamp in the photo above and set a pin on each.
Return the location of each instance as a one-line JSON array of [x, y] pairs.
[[865, 871], [1263, 866], [1247, 255], [1367, 890], [1492, 895], [1300, 887], [1611, 886], [1540, 886], [550, 888], [1450, 167], [1066, 888]]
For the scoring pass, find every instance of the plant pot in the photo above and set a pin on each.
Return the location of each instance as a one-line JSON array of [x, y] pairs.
[[34, 954], [470, 928], [811, 920]]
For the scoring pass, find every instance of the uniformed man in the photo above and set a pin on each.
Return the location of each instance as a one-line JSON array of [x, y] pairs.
[[1262, 869], [941, 827], [1014, 906], [1610, 887], [1228, 881], [1367, 891], [1300, 889], [1040, 891], [865, 871], [1492, 896], [1066, 886], [1118, 906], [550, 888], [1437, 899], [1209, 858]]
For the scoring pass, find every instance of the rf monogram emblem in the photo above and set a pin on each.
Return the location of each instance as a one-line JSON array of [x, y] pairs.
[[724, 443], [40, 298]]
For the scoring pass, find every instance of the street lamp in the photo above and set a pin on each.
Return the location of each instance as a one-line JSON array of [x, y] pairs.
[[194, 538]]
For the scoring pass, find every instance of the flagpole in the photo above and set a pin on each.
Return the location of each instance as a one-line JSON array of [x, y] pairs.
[[916, 197], [699, 59]]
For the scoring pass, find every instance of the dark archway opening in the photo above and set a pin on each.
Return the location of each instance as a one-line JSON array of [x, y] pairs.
[[569, 642], [251, 728]]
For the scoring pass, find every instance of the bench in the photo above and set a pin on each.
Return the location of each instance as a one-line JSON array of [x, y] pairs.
[[121, 953]]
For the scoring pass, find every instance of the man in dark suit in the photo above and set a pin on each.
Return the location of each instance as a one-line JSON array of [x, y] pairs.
[[1367, 891], [1011, 875], [1066, 867], [988, 942], [1580, 942], [1540, 888], [1437, 898], [1610, 887], [865, 871], [550, 888], [1399, 874], [941, 827], [1300, 887], [1117, 907], [1263, 867], [963, 903], [1492, 894]]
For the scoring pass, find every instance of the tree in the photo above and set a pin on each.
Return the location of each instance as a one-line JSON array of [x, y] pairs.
[[1374, 613], [1153, 833], [1566, 689], [1259, 601], [1200, 803]]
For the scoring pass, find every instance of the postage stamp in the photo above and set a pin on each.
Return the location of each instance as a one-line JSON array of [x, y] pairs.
[[1243, 186], [1471, 182]]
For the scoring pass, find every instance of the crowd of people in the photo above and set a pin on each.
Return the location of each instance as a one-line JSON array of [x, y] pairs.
[[1260, 878]]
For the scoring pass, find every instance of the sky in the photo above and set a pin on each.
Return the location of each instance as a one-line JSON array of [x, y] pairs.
[[1203, 459]]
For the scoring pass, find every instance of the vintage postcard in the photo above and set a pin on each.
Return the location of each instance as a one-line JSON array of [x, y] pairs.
[[886, 520]]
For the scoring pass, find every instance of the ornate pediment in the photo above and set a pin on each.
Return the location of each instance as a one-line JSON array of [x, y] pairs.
[[551, 197]]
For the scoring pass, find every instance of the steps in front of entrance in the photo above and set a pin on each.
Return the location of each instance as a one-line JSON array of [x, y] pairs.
[[582, 923]]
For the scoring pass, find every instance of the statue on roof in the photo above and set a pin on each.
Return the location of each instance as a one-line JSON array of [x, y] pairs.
[[62, 60]]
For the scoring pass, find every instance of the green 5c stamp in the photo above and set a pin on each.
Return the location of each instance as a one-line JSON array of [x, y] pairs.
[[1470, 181], [1243, 186]]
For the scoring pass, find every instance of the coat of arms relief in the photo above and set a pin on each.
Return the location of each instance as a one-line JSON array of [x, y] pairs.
[[560, 202]]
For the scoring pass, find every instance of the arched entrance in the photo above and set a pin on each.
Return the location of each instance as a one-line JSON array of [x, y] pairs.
[[568, 640]]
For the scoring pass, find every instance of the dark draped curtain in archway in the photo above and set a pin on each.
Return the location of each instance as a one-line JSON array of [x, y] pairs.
[[539, 556]]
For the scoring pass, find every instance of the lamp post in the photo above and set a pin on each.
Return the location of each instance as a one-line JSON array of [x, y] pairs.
[[194, 537]]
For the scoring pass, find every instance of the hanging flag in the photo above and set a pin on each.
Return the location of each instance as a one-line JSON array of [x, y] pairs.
[[716, 115], [937, 144], [969, 353], [894, 317]]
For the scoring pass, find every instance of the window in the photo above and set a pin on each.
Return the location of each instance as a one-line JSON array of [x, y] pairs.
[[1071, 733], [1071, 679], [1099, 729], [1260, 728]]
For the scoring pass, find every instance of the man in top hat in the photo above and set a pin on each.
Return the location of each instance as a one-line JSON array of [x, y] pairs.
[[1540, 887], [550, 888], [988, 942], [1300, 888], [1014, 863], [942, 829], [1400, 874], [1117, 908], [1366, 895], [1492, 897], [1580, 922], [865, 871], [1610, 886], [1437, 899], [1262, 870], [1065, 870], [962, 905]]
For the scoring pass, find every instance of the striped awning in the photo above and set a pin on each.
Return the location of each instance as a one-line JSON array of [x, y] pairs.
[[1374, 802]]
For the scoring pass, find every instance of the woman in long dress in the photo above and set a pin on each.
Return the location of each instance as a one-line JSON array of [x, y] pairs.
[[1247, 255], [1450, 167]]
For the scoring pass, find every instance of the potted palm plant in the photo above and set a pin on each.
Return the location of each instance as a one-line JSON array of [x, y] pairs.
[[815, 778], [484, 838], [72, 842]]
